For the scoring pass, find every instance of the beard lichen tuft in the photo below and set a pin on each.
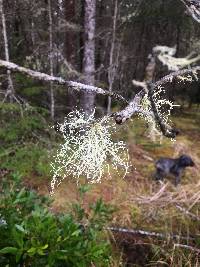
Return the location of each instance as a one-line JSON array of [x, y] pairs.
[[164, 108], [88, 150]]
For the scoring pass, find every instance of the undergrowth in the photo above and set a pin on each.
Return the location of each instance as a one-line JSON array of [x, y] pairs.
[[140, 202], [25, 139], [31, 235]]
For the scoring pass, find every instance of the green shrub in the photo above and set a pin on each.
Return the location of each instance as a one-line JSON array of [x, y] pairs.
[[28, 160], [26, 140], [32, 236], [20, 125]]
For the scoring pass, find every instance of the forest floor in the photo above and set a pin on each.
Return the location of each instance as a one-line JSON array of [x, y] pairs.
[[140, 202], [138, 189]]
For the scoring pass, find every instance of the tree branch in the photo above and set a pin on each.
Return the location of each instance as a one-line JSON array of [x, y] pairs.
[[193, 8], [148, 88], [196, 250], [177, 74], [48, 78], [149, 234], [132, 106], [188, 213], [165, 129]]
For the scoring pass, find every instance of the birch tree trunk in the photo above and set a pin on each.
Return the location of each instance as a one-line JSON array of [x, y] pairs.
[[112, 67], [51, 59], [87, 100], [10, 89]]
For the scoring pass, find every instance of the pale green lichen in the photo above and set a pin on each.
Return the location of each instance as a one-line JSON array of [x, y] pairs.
[[164, 108], [88, 150]]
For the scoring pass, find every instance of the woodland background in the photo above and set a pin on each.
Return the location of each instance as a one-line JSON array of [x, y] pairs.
[[51, 37]]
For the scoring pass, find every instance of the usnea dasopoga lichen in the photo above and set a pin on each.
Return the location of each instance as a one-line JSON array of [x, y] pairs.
[[88, 150]]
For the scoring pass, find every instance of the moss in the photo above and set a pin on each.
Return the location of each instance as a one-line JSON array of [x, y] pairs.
[[25, 139], [33, 90], [30, 159], [19, 125]]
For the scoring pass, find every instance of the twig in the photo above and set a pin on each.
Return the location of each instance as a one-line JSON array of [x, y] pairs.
[[150, 234], [190, 214], [165, 129], [169, 78], [196, 250], [140, 84], [148, 88]]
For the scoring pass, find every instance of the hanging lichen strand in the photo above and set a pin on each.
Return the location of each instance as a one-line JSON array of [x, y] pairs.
[[88, 150], [164, 108]]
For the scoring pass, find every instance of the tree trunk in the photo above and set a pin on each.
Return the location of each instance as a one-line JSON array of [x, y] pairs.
[[70, 46], [10, 89], [87, 100], [70, 35], [51, 59], [112, 65]]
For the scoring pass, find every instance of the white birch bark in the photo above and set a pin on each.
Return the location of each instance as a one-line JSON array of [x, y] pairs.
[[10, 89], [87, 100], [51, 59]]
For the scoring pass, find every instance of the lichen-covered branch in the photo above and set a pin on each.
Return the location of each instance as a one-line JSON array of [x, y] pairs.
[[193, 72], [165, 129], [71, 84], [132, 108], [193, 8], [166, 55]]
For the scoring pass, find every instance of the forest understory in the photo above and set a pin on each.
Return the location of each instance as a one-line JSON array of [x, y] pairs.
[[88, 90], [139, 201]]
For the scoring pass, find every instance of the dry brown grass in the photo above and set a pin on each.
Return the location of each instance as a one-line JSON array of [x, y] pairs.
[[141, 202], [138, 191]]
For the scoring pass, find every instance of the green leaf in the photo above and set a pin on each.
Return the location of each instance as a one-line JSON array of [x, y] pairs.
[[20, 200], [45, 246], [18, 255], [18, 237], [22, 191], [20, 228], [11, 250], [32, 251], [76, 233], [40, 252]]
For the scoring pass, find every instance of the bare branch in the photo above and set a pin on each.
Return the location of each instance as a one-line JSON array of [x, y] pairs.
[[149, 234], [140, 84], [188, 213], [196, 250]]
